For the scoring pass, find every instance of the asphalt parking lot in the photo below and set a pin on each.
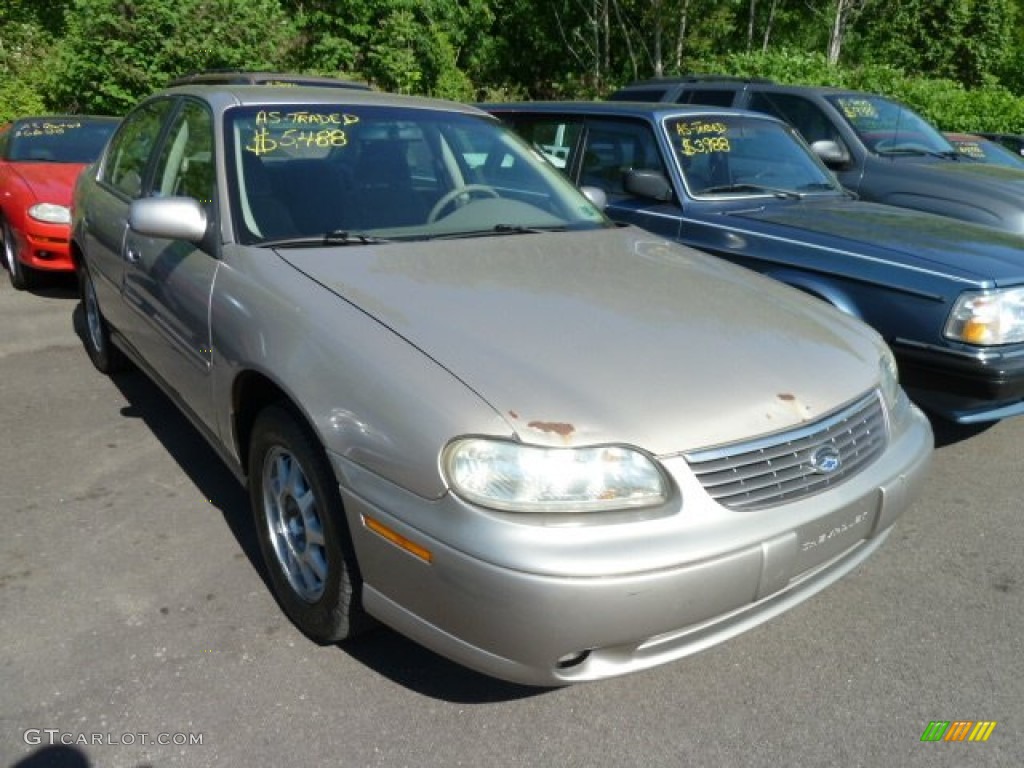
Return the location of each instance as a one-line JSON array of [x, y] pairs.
[[137, 629]]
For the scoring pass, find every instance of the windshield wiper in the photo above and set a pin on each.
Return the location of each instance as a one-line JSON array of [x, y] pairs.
[[337, 237], [498, 229], [919, 152], [785, 194]]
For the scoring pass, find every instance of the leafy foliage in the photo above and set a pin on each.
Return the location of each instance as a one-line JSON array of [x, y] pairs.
[[959, 62]]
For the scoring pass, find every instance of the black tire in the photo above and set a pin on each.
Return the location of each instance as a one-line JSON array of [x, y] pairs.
[[22, 277], [307, 550], [104, 354]]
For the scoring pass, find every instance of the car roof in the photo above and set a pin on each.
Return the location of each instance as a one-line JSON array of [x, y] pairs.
[[762, 83], [226, 95], [241, 76], [645, 109]]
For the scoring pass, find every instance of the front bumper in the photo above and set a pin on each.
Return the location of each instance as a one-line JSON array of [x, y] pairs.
[[46, 247], [963, 386], [545, 605]]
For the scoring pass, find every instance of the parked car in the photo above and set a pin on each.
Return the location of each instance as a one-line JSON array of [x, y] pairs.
[[984, 150], [947, 296], [39, 160], [1012, 141], [467, 404], [879, 149]]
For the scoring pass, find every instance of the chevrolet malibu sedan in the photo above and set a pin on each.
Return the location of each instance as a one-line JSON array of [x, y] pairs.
[[468, 406], [40, 157], [946, 295]]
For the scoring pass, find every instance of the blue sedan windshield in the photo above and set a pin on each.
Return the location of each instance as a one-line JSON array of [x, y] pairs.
[[732, 155]]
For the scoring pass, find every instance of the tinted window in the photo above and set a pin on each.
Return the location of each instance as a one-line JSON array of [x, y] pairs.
[[639, 94], [713, 98], [125, 162], [803, 114], [614, 147]]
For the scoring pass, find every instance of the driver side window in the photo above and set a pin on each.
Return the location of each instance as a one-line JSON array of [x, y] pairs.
[[185, 167]]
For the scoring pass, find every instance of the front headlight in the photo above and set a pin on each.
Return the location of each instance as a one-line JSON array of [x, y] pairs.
[[51, 213], [889, 383], [523, 478], [995, 317]]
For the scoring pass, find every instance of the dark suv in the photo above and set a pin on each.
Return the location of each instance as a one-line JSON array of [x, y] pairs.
[[878, 148]]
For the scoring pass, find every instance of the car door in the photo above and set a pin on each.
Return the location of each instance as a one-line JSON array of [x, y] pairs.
[[119, 180], [168, 282]]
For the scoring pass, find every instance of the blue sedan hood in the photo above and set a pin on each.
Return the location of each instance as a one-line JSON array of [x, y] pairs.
[[918, 240]]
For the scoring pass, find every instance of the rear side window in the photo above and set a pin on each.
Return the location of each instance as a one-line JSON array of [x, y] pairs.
[[129, 151], [639, 94], [803, 114], [710, 97]]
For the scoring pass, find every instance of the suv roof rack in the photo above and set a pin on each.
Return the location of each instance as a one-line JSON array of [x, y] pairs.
[[701, 78], [246, 77]]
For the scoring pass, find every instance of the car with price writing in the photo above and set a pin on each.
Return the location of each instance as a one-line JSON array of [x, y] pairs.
[[947, 295], [983, 150], [40, 157], [465, 403], [879, 149]]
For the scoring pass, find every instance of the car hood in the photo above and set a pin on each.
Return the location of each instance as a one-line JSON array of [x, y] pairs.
[[50, 182], [902, 236], [609, 336]]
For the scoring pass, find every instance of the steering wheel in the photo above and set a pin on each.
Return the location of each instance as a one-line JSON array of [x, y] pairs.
[[452, 195]]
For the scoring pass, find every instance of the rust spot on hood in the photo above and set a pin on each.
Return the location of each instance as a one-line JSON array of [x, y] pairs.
[[786, 397], [559, 428], [513, 414]]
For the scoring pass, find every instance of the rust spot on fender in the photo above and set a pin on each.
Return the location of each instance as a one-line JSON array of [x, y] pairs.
[[786, 397], [559, 428], [513, 414]]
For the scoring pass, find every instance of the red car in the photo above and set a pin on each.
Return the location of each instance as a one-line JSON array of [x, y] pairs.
[[40, 158]]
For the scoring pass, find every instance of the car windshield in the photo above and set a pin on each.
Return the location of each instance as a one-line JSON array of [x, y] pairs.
[[354, 174], [740, 155], [982, 150], [59, 140], [890, 128]]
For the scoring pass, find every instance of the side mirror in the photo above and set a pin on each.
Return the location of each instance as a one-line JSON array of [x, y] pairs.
[[597, 196], [653, 185], [831, 153], [170, 218]]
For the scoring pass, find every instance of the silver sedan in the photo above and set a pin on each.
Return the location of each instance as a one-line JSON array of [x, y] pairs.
[[468, 406]]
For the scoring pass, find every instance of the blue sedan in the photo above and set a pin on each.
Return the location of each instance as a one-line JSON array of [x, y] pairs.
[[947, 295]]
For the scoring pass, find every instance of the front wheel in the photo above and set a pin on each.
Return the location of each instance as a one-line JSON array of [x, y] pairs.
[[101, 350], [22, 277], [301, 528]]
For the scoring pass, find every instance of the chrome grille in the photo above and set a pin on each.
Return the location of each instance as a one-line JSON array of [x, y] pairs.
[[785, 467]]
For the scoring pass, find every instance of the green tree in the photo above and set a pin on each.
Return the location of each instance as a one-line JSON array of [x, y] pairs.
[[115, 51]]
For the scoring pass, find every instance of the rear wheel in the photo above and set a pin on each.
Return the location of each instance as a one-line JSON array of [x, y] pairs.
[[301, 528], [104, 355], [22, 277]]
